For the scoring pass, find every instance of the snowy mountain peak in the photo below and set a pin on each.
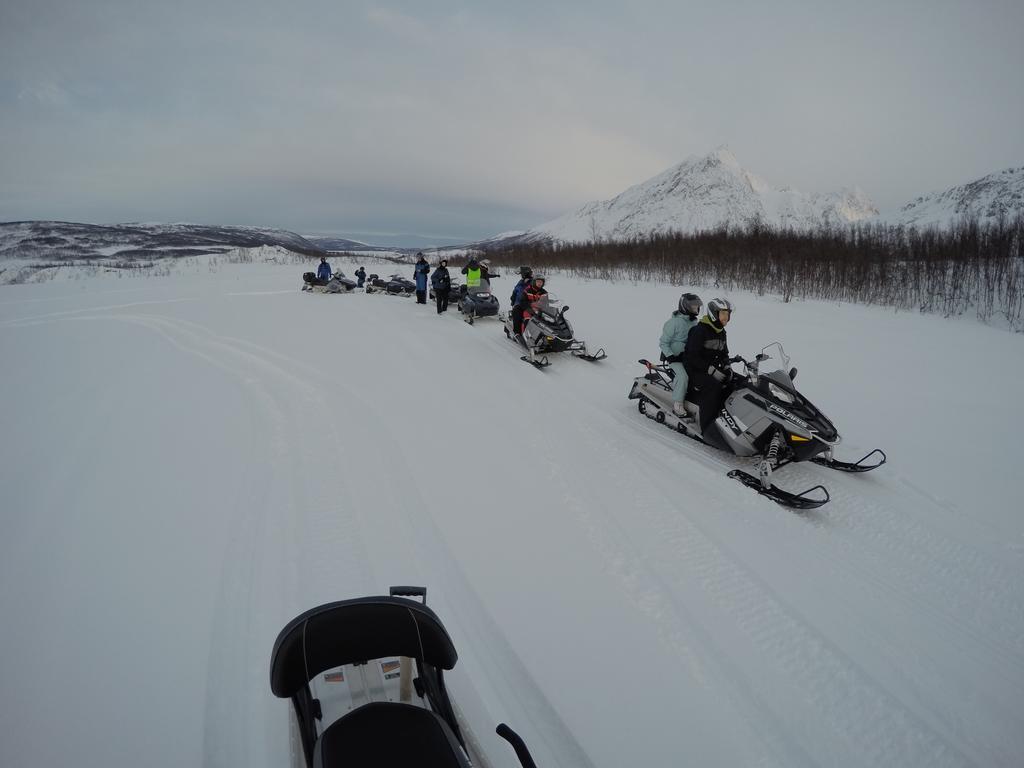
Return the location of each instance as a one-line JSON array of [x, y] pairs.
[[704, 192], [987, 199]]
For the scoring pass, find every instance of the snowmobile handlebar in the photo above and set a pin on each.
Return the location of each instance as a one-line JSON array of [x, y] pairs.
[[513, 738]]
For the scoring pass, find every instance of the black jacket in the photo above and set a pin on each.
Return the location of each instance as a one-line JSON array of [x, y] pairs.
[[441, 280], [706, 347]]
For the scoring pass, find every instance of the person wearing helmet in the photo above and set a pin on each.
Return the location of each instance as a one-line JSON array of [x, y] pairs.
[[532, 292], [706, 359], [478, 275], [323, 272], [525, 275], [441, 282], [673, 345]]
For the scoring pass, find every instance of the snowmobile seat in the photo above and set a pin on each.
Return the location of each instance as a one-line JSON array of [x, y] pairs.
[[389, 735], [353, 631]]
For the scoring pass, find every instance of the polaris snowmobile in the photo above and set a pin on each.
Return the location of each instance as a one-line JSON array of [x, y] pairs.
[[395, 285], [366, 680], [763, 415], [337, 284], [548, 331], [477, 302]]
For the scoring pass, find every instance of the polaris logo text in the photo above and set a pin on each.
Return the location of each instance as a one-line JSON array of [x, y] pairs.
[[786, 414]]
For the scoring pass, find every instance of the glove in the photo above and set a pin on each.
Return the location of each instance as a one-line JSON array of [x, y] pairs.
[[674, 359], [736, 359]]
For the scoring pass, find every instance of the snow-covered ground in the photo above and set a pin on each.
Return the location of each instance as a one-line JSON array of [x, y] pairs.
[[189, 461]]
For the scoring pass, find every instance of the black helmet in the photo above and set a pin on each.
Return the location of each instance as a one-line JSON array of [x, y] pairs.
[[525, 272], [717, 305], [690, 304]]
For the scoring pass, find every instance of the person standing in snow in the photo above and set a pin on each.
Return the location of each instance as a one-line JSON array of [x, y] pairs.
[[441, 282], [360, 277], [706, 359], [323, 272], [421, 272], [673, 345]]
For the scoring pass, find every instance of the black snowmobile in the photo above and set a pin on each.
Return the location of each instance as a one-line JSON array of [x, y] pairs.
[[395, 285], [453, 292], [763, 415], [366, 679], [547, 331], [337, 284], [477, 302]]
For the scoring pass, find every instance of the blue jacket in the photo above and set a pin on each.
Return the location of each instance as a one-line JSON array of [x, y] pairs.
[[323, 272], [518, 290], [675, 332], [422, 270]]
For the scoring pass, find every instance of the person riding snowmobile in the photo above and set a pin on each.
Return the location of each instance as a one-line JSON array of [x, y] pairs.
[[674, 334], [360, 277], [420, 273], [525, 275], [441, 282], [706, 359], [530, 295], [478, 274]]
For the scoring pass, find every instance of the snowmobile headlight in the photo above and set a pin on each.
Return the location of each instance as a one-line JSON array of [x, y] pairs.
[[798, 439], [779, 393]]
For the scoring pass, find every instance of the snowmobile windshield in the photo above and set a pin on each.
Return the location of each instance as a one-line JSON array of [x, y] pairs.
[[547, 305], [484, 287], [775, 353]]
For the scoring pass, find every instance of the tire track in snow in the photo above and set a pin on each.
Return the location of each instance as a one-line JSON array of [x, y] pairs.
[[898, 735], [275, 553]]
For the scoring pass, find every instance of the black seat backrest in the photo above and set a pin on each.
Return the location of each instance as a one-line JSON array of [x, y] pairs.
[[351, 631]]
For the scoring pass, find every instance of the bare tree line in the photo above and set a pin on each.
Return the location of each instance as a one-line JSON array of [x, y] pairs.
[[971, 267]]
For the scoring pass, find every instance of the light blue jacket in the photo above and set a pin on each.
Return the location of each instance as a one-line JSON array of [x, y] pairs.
[[421, 272], [674, 333]]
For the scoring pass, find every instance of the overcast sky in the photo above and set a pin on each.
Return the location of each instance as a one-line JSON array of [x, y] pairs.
[[465, 119]]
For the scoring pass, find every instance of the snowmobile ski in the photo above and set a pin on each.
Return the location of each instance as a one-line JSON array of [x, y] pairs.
[[540, 363], [846, 466], [779, 496], [593, 358]]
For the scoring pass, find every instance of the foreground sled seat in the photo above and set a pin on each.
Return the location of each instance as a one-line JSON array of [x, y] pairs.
[[380, 734], [387, 735]]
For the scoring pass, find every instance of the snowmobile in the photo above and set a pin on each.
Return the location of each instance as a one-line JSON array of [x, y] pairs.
[[395, 285], [366, 680], [548, 331], [337, 284], [763, 415], [477, 302], [453, 292]]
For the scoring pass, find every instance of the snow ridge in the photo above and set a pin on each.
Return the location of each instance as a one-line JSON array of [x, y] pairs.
[[988, 199], [702, 193]]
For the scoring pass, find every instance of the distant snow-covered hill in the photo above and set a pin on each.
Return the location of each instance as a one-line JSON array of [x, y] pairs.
[[703, 193], [986, 199], [58, 241]]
